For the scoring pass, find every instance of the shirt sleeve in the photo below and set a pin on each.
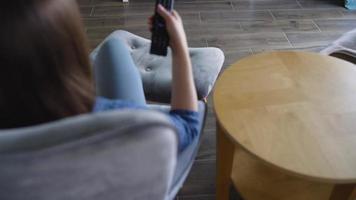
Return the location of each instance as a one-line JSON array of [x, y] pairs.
[[187, 124]]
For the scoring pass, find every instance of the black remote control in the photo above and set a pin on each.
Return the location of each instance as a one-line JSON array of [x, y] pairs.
[[160, 38]]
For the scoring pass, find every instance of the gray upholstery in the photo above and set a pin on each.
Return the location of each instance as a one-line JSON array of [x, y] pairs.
[[156, 70], [344, 47], [112, 155], [122, 154], [187, 157]]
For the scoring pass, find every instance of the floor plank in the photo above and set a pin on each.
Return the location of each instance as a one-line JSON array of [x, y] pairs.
[[307, 14], [201, 179], [200, 7], [248, 40], [349, 14], [300, 40], [86, 11], [286, 26], [336, 24], [101, 22], [311, 48], [265, 4], [225, 16]]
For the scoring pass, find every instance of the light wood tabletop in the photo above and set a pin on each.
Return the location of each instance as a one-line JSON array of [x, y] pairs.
[[293, 111]]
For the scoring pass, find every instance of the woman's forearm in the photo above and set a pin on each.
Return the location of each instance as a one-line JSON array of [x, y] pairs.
[[183, 89], [184, 94]]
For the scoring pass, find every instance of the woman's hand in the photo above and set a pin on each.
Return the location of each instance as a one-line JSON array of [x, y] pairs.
[[174, 26]]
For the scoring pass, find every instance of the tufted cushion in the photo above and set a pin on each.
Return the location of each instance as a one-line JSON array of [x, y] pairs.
[[344, 47], [156, 70]]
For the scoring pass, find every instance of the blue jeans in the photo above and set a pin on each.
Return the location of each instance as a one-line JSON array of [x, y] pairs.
[[116, 75]]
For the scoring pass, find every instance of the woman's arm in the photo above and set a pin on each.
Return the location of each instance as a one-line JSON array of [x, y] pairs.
[[184, 94]]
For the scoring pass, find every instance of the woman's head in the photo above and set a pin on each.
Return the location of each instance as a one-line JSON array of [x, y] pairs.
[[45, 72]]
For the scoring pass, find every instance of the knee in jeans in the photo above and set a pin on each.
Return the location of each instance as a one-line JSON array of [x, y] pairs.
[[113, 44]]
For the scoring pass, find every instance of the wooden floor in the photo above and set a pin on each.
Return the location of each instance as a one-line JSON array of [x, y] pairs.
[[240, 28]]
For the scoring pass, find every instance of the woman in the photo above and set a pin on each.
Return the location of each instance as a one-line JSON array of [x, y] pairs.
[[46, 74]]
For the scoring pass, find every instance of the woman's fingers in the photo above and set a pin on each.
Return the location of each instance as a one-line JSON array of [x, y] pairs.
[[175, 14], [150, 20], [167, 16], [174, 27], [150, 23]]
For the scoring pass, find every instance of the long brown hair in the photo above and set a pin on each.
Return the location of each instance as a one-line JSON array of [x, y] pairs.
[[45, 72]]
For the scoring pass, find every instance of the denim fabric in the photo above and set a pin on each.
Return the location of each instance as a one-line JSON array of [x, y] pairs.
[[115, 73], [156, 71]]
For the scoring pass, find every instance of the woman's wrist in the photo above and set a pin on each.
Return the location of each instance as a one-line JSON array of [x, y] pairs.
[[180, 49]]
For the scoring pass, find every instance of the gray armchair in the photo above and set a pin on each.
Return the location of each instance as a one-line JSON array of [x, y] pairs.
[[124, 154], [344, 47]]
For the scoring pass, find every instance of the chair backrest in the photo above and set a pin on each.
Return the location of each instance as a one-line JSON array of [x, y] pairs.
[[112, 155]]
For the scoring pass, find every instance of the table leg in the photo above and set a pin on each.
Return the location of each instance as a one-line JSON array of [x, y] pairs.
[[343, 192], [225, 155]]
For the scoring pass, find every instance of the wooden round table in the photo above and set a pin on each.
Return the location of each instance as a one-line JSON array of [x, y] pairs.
[[286, 127]]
